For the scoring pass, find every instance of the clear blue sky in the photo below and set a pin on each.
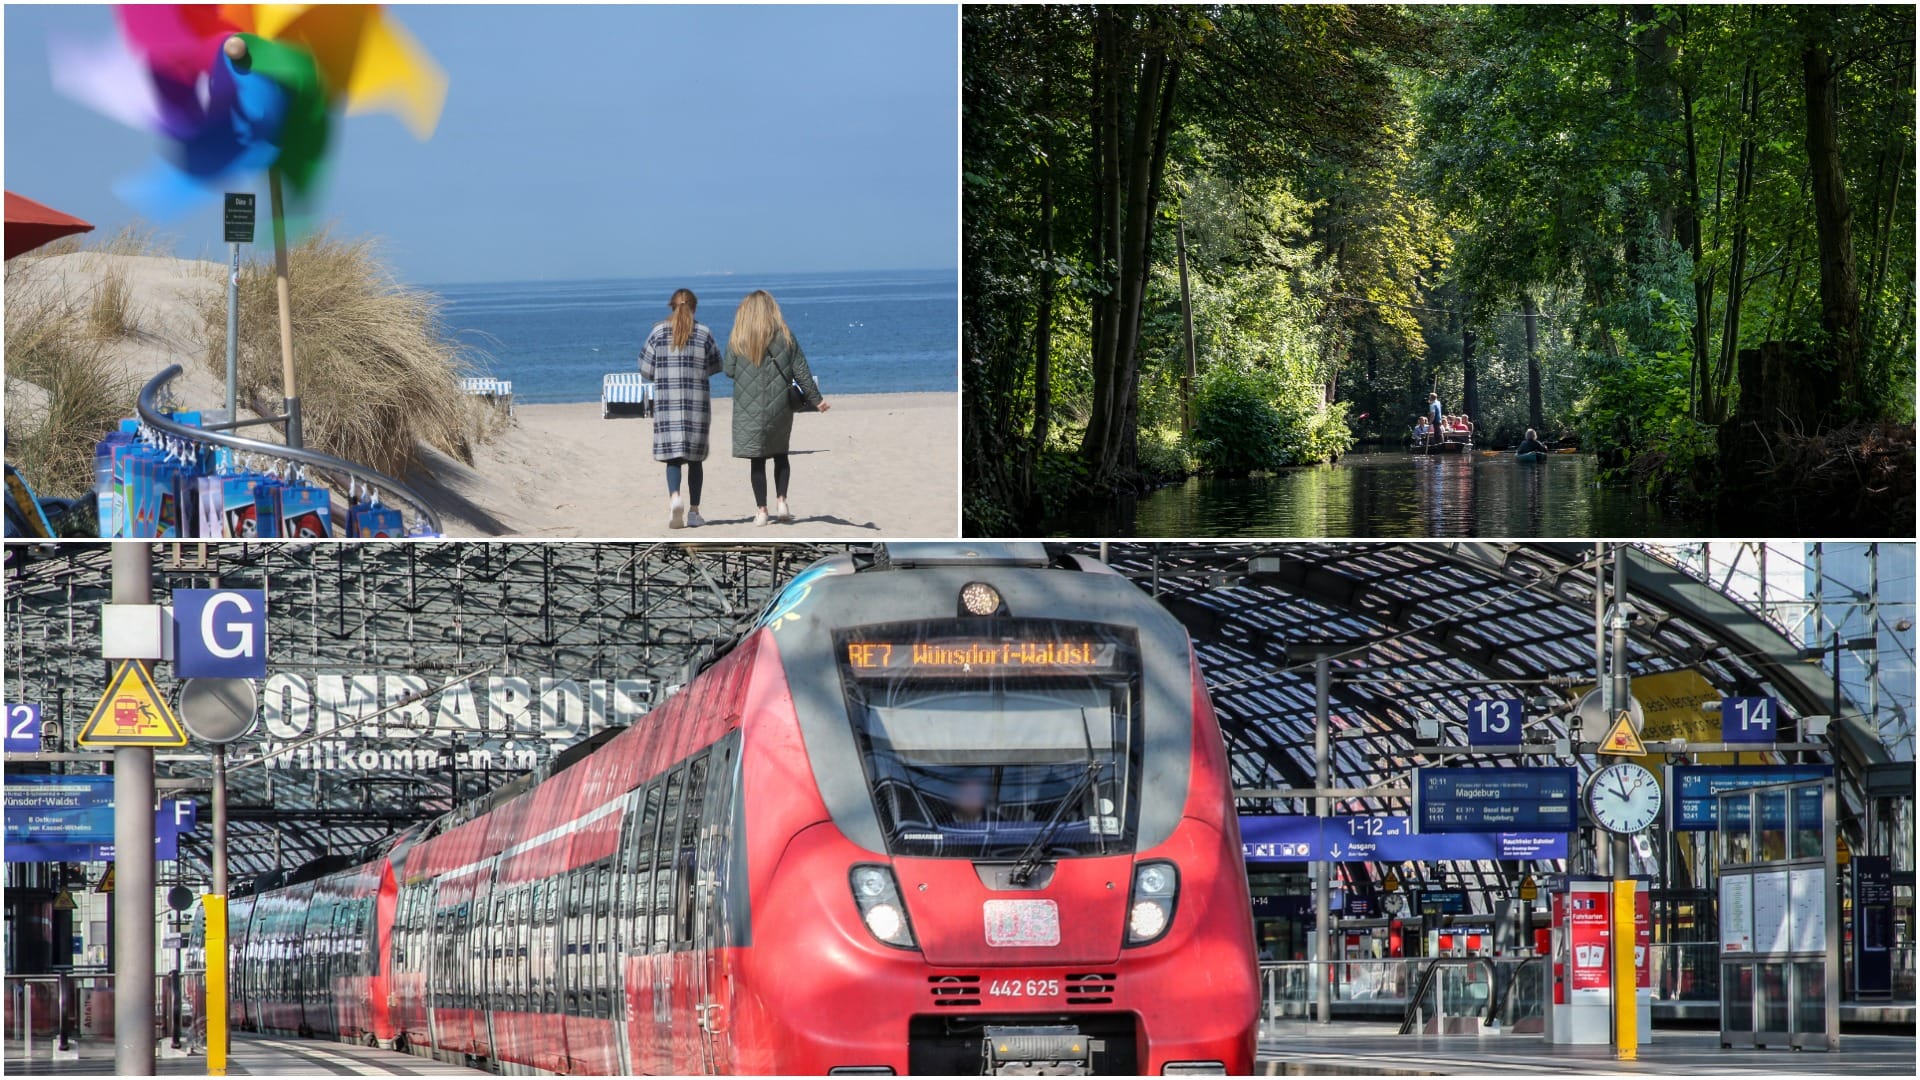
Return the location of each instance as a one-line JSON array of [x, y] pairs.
[[588, 141]]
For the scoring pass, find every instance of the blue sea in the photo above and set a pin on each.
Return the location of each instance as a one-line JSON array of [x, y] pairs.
[[863, 332]]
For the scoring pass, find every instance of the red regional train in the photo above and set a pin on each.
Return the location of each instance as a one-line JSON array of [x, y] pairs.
[[941, 809]]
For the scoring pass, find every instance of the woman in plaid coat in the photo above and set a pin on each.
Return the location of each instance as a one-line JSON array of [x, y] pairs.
[[679, 357]]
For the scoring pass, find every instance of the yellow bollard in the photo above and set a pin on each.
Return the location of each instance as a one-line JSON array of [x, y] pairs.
[[216, 1003], [1621, 938]]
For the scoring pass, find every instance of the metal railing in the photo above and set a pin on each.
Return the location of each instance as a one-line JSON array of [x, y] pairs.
[[153, 417], [54, 1014], [1455, 995]]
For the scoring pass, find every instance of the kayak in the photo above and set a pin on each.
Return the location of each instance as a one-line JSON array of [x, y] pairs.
[[1531, 455]]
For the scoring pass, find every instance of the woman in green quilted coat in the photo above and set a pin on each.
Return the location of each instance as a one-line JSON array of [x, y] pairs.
[[762, 360]]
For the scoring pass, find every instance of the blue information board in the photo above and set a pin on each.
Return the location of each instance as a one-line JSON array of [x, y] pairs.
[[1749, 720], [1382, 838], [1495, 721], [23, 729], [1443, 902], [70, 819], [1691, 789], [1495, 800]]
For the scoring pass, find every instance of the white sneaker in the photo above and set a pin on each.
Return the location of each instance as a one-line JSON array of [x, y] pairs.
[[781, 513], [676, 512], [694, 520], [759, 517]]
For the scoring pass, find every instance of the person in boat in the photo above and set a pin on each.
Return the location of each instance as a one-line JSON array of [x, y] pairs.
[[1420, 429], [1434, 412], [1531, 444]]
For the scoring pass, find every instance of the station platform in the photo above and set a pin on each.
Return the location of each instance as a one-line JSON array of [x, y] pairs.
[[251, 1056], [1354, 1049]]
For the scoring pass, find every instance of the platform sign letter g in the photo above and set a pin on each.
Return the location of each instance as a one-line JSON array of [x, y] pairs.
[[242, 631]]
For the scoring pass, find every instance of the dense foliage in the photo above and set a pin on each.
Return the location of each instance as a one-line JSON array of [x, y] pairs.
[[1239, 238]]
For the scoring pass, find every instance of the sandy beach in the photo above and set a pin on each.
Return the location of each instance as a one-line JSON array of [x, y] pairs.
[[875, 466]]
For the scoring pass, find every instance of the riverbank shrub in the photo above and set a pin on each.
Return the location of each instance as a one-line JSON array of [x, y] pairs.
[[1236, 429], [1164, 456]]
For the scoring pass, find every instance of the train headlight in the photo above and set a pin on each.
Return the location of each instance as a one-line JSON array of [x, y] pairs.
[[877, 896], [979, 598], [885, 922], [1156, 887]]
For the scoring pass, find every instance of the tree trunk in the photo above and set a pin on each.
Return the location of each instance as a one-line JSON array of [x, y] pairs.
[[1043, 326], [1186, 323], [1833, 224], [1714, 398], [1470, 389], [1536, 408], [1109, 80], [1110, 445], [1701, 373]]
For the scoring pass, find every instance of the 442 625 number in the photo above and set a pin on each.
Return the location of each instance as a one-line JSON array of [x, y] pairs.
[[1024, 987]]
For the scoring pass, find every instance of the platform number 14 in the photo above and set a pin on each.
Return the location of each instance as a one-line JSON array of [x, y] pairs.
[[1749, 719], [1495, 721]]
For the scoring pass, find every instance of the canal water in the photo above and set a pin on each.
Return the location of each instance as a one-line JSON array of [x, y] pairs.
[[1390, 493]]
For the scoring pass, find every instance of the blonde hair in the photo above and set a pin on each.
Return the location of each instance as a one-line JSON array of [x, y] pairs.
[[683, 302], [756, 324]]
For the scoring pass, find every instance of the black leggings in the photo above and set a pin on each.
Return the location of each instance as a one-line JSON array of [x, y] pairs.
[[757, 473], [693, 479]]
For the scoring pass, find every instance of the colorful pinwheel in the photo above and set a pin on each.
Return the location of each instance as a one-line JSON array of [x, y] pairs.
[[236, 88]]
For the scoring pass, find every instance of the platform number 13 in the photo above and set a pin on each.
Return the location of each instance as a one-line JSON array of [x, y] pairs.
[[1495, 720]]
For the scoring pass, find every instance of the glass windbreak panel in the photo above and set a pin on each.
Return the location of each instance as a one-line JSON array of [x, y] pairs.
[[1810, 1011], [1736, 1002], [1807, 815], [997, 738], [1775, 1000], [1773, 825]]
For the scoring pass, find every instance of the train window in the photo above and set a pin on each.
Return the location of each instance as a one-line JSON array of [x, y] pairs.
[[684, 851], [663, 865], [639, 916], [986, 758], [603, 941], [569, 944]]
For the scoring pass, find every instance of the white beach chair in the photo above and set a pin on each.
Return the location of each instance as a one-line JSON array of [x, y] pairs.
[[625, 393], [496, 391]]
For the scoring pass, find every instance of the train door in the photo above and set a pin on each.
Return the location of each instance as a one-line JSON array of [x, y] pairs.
[[434, 967], [636, 942], [491, 984], [622, 927], [689, 989], [714, 934]]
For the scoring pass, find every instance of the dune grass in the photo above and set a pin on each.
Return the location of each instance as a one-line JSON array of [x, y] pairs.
[[378, 370], [62, 393], [111, 312]]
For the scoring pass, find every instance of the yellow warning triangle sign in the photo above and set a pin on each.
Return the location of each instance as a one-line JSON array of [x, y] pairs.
[[63, 902], [132, 713], [106, 880], [1392, 882], [1621, 739]]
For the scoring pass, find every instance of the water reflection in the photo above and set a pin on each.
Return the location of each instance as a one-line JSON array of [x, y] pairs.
[[1390, 494]]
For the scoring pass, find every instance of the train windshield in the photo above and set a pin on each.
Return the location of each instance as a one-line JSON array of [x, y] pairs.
[[994, 745]]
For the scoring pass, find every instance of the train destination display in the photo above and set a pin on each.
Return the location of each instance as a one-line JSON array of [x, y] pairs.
[[960, 656], [1494, 800]]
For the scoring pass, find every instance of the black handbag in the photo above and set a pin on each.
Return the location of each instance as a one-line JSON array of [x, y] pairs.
[[796, 397]]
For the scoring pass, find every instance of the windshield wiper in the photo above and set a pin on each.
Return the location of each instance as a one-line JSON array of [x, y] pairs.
[[1030, 859]]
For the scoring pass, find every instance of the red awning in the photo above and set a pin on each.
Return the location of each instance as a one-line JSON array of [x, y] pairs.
[[30, 224]]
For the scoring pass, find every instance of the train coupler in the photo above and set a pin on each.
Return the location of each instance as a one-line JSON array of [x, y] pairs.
[[1059, 1050]]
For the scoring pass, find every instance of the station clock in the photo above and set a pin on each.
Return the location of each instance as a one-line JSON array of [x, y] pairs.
[[1624, 798]]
